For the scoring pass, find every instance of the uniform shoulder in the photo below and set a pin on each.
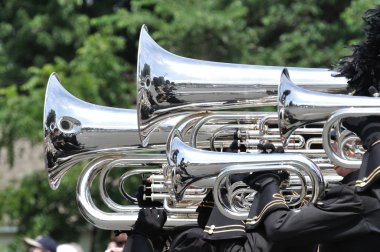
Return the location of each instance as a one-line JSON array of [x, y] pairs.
[[341, 198]]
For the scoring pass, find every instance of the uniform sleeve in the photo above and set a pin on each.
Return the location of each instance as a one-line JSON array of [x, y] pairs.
[[335, 217], [255, 242], [191, 240], [138, 243], [338, 215]]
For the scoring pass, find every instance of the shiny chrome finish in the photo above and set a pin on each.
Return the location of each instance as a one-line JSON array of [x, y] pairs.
[[73, 131], [356, 111], [135, 160], [179, 211], [159, 191], [252, 128], [190, 164], [237, 121], [126, 216], [297, 164], [168, 84], [130, 173], [298, 107]]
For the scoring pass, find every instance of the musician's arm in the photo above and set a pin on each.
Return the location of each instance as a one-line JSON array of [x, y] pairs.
[[138, 243], [146, 235], [333, 217]]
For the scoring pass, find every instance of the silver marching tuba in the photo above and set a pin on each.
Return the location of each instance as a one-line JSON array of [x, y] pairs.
[[298, 106], [114, 143], [170, 90], [168, 84], [75, 130], [191, 165], [74, 133]]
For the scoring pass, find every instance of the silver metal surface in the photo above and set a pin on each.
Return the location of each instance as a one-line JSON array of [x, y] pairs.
[[76, 130], [175, 95], [126, 216], [298, 106], [294, 163], [168, 84], [191, 164], [338, 115]]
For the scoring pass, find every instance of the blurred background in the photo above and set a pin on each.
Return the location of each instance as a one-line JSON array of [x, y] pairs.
[[92, 45]]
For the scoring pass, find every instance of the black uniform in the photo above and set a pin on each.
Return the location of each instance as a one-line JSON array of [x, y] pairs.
[[347, 219], [214, 233]]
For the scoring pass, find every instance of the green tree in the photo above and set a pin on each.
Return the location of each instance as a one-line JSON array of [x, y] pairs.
[[290, 33], [89, 65], [34, 208], [34, 32], [92, 45]]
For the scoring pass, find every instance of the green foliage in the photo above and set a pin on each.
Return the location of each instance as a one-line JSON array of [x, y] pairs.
[[22, 117], [34, 32], [289, 33], [89, 65], [36, 209], [92, 45], [352, 18], [98, 67]]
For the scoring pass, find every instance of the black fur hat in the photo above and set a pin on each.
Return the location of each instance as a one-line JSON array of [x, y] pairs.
[[362, 68]]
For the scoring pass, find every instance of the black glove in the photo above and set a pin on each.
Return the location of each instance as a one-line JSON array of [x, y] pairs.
[[150, 222], [367, 128], [259, 180]]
